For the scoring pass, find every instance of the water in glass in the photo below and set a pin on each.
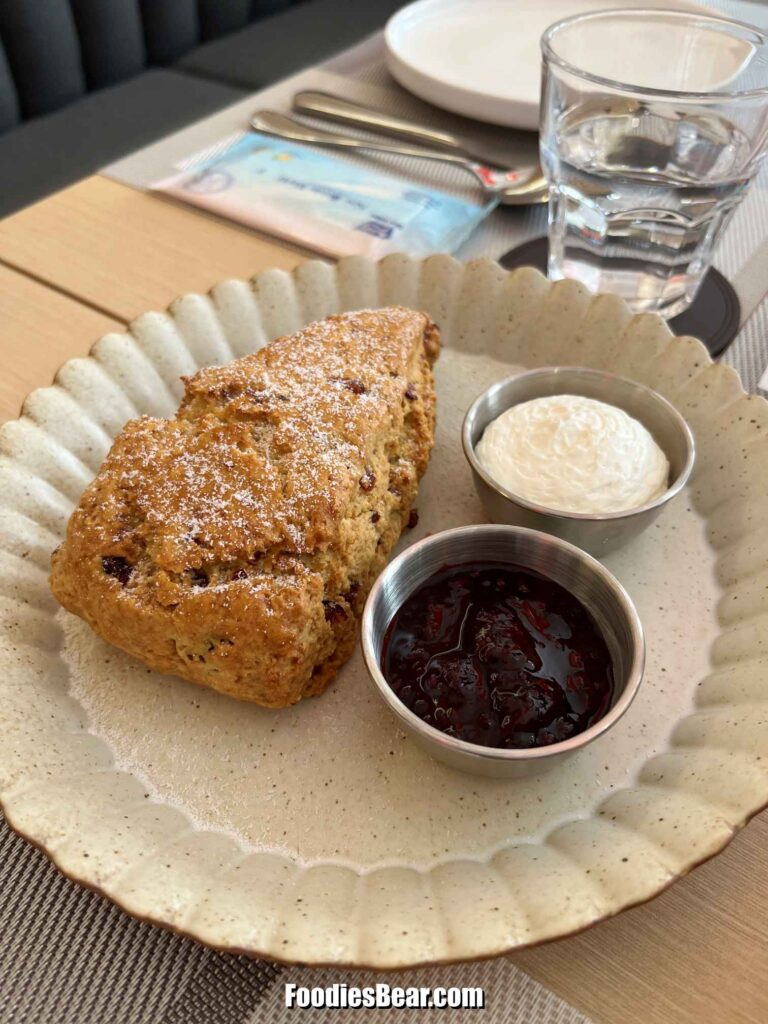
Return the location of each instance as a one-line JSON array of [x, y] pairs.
[[639, 196]]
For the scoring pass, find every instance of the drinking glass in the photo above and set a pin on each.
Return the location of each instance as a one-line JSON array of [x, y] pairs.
[[654, 123]]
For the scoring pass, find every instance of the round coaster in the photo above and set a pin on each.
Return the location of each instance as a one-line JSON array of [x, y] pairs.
[[713, 317]]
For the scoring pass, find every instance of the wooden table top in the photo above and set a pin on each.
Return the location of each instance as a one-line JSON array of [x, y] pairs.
[[86, 261]]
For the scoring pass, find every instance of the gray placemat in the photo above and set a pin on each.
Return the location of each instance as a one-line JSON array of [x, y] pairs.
[[71, 957]]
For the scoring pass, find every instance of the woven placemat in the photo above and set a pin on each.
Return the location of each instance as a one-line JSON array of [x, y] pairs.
[[69, 956]]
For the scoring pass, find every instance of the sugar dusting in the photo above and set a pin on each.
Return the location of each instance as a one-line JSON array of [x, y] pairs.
[[265, 450]]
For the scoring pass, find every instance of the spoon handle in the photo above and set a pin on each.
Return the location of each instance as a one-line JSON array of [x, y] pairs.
[[335, 108], [272, 123]]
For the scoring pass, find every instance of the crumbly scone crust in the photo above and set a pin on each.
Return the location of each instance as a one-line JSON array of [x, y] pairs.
[[235, 544]]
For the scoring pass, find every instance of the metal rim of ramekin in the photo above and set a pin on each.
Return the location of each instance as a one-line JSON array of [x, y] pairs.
[[672, 490], [416, 724]]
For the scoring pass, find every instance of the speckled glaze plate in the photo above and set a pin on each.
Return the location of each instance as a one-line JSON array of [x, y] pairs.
[[320, 833]]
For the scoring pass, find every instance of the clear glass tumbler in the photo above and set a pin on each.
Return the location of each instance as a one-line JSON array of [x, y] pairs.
[[653, 124]]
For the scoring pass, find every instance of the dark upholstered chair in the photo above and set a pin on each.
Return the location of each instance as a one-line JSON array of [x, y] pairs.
[[83, 82]]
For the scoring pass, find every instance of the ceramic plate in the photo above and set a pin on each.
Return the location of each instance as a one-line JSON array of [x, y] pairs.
[[481, 58], [321, 833]]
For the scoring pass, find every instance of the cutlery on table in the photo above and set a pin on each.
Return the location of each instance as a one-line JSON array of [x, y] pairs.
[[512, 186], [337, 108]]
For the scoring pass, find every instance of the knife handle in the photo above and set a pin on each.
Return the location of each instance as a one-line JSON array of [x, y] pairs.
[[335, 108]]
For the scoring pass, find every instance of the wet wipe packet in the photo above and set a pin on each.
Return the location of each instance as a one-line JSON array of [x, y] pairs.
[[330, 206]]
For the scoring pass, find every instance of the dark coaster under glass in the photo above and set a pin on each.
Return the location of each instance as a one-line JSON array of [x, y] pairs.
[[713, 316]]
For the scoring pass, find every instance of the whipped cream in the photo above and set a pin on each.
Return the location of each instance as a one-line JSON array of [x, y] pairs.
[[574, 454]]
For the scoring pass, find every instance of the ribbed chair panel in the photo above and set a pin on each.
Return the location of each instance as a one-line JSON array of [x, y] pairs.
[[9, 101], [171, 29], [53, 51], [111, 40], [43, 51]]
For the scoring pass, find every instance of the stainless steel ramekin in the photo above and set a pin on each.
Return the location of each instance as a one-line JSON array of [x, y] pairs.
[[598, 534], [589, 581]]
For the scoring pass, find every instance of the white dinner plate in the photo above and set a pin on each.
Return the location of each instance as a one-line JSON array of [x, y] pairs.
[[320, 833], [481, 58]]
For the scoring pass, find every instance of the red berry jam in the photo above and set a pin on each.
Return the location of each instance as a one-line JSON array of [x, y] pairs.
[[497, 655]]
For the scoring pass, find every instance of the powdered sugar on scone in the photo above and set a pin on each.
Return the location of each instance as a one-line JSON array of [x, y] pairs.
[[235, 544]]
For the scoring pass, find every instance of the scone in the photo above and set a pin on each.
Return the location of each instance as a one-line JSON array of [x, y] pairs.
[[235, 544]]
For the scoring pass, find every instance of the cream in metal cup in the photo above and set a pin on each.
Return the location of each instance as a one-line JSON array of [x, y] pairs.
[[596, 533], [587, 579]]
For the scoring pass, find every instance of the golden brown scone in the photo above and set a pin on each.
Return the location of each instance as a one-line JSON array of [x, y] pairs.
[[235, 544]]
